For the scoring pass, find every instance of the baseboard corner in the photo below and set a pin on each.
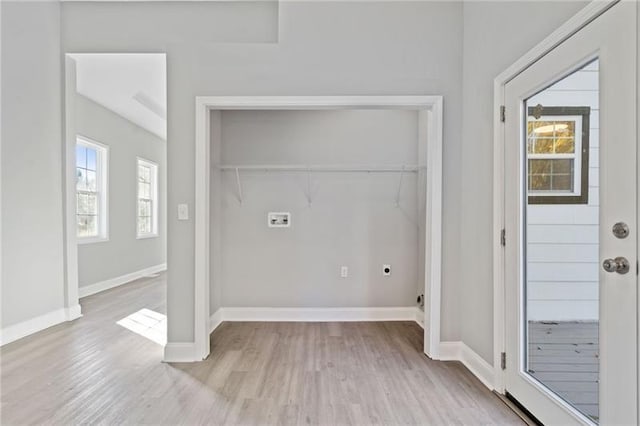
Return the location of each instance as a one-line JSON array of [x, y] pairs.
[[419, 319], [215, 320], [478, 366], [449, 351], [73, 312], [180, 352], [459, 351]]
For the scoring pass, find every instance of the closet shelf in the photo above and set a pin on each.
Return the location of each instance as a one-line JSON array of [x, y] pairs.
[[308, 169], [407, 168]]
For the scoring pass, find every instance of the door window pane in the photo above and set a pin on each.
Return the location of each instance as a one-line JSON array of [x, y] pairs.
[[561, 283]]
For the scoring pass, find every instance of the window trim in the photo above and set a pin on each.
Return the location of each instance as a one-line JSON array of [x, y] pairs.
[[582, 175], [102, 183], [154, 191]]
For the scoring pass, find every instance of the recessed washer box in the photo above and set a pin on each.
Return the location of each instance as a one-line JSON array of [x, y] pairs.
[[279, 219]]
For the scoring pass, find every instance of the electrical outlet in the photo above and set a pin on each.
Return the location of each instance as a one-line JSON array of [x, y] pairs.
[[344, 272], [386, 270]]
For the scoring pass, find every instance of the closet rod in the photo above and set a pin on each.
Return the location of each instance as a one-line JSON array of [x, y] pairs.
[[323, 168]]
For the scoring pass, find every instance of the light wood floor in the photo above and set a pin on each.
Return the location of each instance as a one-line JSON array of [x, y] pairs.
[[96, 371]]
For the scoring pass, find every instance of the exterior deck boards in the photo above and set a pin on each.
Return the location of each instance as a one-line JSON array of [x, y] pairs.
[[564, 356]]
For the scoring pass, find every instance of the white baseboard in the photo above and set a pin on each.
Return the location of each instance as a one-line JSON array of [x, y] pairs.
[[185, 352], [319, 314], [180, 352], [419, 317], [90, 289], [215, 320], [458, 351], [73, 312], [25, 328], [450, 351]]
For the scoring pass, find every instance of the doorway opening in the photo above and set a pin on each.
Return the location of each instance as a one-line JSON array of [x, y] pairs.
[[115, 183], [211, 171]]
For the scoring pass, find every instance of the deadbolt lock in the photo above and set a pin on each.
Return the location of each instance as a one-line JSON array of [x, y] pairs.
[[620, 230]]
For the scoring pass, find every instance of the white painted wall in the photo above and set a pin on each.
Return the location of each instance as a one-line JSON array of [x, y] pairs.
[[353, 219], [308, 48], [262, 48], [562, 245], [496, 34], [32, 253], [123, 253]]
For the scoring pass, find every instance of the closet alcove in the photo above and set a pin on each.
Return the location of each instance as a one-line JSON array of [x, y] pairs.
[[354, 183]]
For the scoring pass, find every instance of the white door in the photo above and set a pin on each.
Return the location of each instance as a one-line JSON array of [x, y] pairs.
[[571, 278]]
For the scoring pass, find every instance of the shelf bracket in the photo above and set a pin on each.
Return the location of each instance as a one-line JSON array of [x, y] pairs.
[[399, 187], [239, 185], [309, 185]]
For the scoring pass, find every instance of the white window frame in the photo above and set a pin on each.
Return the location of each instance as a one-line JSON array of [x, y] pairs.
[[154, 197], [102, 185], [576, 156]]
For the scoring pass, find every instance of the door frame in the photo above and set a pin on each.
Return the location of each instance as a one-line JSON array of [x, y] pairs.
[[432, 106], [564, 32], [70, 135]]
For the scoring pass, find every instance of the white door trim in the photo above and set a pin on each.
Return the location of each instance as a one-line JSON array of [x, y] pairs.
[[71, 283], [569, 28], [433, 105], [70, 240]]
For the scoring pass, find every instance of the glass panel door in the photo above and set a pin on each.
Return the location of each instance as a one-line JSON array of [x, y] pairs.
[[562, 221], [570, 188]]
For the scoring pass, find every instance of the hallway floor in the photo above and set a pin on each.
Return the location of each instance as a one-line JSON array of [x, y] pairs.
[[106, 368]]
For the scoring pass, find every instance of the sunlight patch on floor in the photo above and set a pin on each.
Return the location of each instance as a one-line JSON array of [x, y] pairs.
[[147, 323]]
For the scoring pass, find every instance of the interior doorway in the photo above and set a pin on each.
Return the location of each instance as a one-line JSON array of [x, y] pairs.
[[115, 179]]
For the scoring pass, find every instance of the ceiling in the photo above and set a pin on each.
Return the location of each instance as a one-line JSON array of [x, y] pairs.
[[131, 85]]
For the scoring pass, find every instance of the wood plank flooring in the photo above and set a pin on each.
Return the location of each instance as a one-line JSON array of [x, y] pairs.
[[564, 356], [95, 371]]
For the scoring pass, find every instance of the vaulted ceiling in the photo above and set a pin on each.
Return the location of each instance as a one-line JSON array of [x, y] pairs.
[[131, 85]]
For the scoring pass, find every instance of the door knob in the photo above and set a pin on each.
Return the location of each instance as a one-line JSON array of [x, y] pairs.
[[619, 264]]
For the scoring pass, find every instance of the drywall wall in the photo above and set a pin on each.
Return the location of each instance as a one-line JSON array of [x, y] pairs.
[[294, 48], [32, 251], [496, 34], [196, 64], [563, 264], [308, 48], [123, 253], [352, 219]]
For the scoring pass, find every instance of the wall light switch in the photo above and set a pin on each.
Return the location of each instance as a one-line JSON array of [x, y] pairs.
[[183, 212], [344, 272]]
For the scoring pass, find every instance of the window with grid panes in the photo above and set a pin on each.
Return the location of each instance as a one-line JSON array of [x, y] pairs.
[[558, 155], [147, 199], [90, 190]]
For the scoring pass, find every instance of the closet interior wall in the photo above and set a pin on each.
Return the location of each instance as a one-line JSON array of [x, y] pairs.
[[350, 203]]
